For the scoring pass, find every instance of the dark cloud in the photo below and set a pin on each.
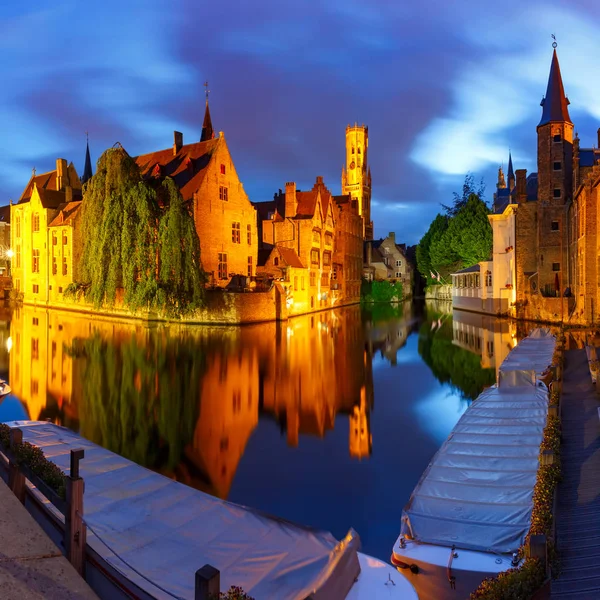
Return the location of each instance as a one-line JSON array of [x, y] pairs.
[[443, 93]]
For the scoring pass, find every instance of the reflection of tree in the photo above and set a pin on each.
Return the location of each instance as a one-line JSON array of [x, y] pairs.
[[448, 362], [141, 397]]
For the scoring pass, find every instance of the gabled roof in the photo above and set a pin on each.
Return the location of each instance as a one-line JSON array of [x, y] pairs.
[[555, 103], [187, 168], [51, 198], [290, 257], [307, 203], [43, 181], [66, 214]]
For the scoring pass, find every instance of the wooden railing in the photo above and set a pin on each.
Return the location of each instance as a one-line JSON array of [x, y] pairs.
[[74, 537], [207, 579]]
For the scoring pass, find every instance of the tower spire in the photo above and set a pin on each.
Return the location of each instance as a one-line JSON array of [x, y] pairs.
[[207, 128], [555, 103], [87, 169], [511, 173]]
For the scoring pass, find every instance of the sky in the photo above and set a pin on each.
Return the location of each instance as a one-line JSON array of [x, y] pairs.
[[446, 88]]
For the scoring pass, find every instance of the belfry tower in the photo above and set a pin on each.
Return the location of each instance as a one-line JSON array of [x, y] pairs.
[[555, 183], [356, 174]]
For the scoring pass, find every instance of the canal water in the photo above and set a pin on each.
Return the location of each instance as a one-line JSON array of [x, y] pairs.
[[327, 420]]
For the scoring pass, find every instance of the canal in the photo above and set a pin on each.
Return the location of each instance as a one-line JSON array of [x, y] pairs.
[[327, 420]]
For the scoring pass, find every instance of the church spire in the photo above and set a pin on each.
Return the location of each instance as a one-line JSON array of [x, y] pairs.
[[555, 102], [501, 181], [87, 169], [207, 128], [511, 173]]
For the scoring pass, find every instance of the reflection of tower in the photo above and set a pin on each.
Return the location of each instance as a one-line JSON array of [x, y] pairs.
[[360, 439], [356, 175]]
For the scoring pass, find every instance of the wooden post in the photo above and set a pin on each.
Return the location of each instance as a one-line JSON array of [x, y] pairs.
[[537, 548], [75, 530], [208, 583], [16, 479], [547, 457]]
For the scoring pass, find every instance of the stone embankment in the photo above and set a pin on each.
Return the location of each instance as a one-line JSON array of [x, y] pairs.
[[31, 566]]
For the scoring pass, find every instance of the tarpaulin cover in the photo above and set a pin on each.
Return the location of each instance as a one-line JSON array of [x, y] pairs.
[[477, 492], [158, 532]]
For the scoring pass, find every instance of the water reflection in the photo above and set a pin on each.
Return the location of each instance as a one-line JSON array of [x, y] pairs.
[[308, 419]]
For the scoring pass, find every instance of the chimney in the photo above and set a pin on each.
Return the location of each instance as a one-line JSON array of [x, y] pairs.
[[392, 237], [177, 142], [521, 185], [290, 199], [61, 174], [68, 194]]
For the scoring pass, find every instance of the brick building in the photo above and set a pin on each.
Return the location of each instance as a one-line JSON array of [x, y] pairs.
[[385, 260], [43, 238], [224, 216], [313, 242]]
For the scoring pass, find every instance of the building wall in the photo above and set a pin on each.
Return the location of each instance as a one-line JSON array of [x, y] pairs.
[[214, 218], [63, 259], [503, 265]]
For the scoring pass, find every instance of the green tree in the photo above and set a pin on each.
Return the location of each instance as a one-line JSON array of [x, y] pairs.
[[469, 234], [181, 277], [435, 232], [468, 189], [130, 243]]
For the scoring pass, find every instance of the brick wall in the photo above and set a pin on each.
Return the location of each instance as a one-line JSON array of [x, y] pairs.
[[214, 218]]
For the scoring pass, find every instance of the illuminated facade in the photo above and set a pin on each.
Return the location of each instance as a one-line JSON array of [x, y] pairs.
[[43, 240], [224, 216], [312, 241], [356, 174]]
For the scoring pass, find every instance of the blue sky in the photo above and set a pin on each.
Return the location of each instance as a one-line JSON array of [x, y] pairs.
[[445, 88]]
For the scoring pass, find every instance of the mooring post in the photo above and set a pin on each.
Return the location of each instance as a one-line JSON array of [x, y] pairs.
[[537, 548], [208, 583], [16, 479], [75, 530]]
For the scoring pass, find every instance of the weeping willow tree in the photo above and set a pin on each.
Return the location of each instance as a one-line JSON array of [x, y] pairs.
[[181, 279], [153, 255]]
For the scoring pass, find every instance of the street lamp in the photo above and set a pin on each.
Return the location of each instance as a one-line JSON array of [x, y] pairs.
[[10, 253]]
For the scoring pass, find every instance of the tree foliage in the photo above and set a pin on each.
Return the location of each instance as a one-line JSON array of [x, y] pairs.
[[130, 243], [468, 190], [460, 238], [381, 291]]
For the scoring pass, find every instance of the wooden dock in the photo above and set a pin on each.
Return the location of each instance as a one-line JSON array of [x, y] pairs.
[[578, 517]]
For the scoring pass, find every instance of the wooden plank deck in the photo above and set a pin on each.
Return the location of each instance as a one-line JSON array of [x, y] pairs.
[[578, 520]]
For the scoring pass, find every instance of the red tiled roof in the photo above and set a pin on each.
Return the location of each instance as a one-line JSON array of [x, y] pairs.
[[187, 168], [43, 181], [307, 203], [67, 212], [290, 257], [51, 198]]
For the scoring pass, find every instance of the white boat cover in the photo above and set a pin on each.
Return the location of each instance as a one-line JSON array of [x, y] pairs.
[[476, 493], [158, 532]]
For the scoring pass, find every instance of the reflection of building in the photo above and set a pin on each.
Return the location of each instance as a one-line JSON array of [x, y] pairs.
[[389, 336], [303, 373], [488, 337]]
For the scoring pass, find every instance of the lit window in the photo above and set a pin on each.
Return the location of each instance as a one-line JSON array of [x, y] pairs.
[[235, 233], [249, 266], [313, 278], [398, 263], [54, 238], [54, 266], [316, 236], [326, 258], [18, 257], [398, 274], [64, 237], [302, 282], [18, 226], [35, 266], [35, 288], [35, 222], [296, 283], [64, 265], [249, 234], [314, 256], [222, 265], [223, 193]]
